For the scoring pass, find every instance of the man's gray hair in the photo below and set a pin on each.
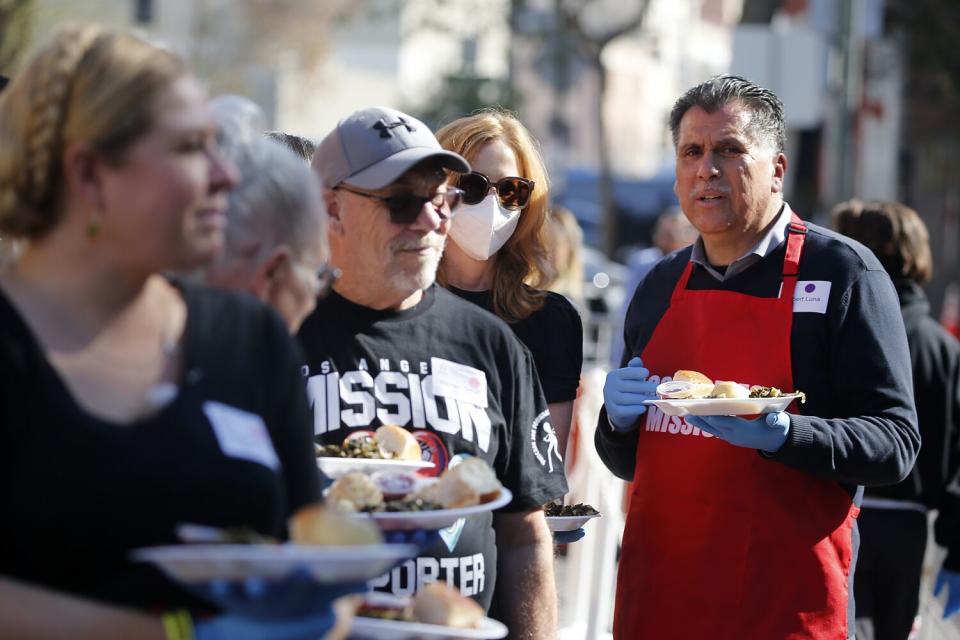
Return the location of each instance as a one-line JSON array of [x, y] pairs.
[[766, 124], [276, 197], [275, 201]]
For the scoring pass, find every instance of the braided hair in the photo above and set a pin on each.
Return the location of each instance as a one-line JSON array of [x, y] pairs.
[[88, 84]]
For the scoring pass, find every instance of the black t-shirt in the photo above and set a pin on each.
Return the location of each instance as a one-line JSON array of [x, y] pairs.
[[431, 369], [78, 492], [553, 334], [848, 351]]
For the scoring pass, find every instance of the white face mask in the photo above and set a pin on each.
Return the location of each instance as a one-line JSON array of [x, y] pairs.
[[482, 229]]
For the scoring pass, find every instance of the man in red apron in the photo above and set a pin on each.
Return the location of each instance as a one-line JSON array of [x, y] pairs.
[[744, 527]]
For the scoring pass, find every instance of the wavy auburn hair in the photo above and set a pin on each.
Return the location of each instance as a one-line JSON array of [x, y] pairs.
[[522, 265]]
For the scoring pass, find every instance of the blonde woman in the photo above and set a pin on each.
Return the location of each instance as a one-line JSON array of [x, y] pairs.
[[126, 407], [496, 255]]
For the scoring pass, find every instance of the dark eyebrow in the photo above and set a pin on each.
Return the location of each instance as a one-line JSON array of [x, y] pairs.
[[730, 141]]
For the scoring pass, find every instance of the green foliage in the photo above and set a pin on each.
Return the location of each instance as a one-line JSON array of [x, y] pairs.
[[14, 31], [461, 95]]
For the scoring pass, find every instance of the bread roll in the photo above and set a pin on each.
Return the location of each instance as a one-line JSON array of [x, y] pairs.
[[692, 376], [470, 482], [355, 490], [396, 442], [322, 525], [439, 603], [727, 389]]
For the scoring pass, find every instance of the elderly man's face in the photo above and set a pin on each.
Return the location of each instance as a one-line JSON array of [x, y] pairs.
[[726, 181], [381, 261]]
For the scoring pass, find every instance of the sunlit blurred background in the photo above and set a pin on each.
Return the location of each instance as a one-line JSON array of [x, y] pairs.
[[871, 88]]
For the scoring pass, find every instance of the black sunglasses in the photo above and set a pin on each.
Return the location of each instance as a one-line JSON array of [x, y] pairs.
[[405, 208], [513, 193]]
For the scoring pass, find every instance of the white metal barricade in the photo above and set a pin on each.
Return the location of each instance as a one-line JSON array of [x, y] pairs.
[[588, 587]]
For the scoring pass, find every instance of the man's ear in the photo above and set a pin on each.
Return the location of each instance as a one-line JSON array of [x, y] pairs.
[[332, 203], [82, 170], [271, 272], [779, 172]]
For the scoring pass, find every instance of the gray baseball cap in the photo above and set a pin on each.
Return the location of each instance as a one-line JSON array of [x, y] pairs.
[[373, 147]]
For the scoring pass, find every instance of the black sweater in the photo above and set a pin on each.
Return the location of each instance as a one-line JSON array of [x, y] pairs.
[[935, 356]]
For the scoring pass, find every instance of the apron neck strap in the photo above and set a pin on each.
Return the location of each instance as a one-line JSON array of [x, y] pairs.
[[796, 234]]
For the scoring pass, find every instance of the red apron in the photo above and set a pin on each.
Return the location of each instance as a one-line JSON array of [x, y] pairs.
[[720, 542]]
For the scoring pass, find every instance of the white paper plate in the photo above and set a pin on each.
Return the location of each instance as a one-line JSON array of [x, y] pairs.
[[376, 629], [329, 565], [723, 406], [336, 467], [568, 523], [438, 519]]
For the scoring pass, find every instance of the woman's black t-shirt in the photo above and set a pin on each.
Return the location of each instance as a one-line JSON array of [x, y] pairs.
[[553, 334], [78, 493]]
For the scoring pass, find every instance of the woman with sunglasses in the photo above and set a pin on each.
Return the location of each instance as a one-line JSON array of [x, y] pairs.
[[131, 403], [496, 255]]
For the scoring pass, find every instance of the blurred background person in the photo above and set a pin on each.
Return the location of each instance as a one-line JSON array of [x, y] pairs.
[[496, 255], [126, 407], [7, 247], [672, 231], [276, 236], [564, 249], [301, 146], [887, 588]]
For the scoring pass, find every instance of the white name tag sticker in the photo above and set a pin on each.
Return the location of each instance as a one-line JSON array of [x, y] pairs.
[[459, 382], [241, 434], [811, 296]]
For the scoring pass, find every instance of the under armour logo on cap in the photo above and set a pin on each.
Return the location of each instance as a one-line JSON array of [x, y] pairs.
[[385, 127], [354, 153]]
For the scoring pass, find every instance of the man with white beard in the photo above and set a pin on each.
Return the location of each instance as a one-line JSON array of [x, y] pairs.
[[390, 347]]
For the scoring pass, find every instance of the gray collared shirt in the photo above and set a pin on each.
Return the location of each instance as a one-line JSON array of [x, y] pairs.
[[770, 241]]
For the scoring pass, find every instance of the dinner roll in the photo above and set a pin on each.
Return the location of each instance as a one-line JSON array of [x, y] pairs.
[[322, 525], [470, 482], [727, 389], [396, 442], [439, 603], [355, 491], [692, 376]]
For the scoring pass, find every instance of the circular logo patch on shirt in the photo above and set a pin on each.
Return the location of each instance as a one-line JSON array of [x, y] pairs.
[[433, 450]]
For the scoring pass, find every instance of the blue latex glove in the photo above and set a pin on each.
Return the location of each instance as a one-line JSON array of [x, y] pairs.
[[295, 597], [766, 433], [568, 537], [236, 627], [624, 392], [420, 537], [950, 580]]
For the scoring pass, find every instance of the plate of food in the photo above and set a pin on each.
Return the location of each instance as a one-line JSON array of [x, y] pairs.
[[397, 501], [568, 517], [694, 394], [332, 546], [389, 448], [436, 611]]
